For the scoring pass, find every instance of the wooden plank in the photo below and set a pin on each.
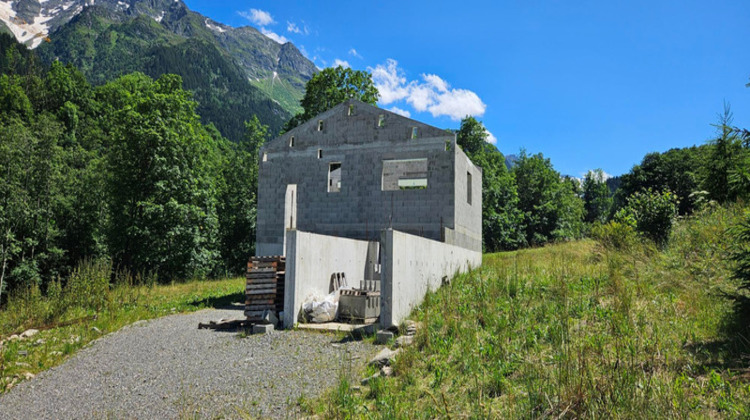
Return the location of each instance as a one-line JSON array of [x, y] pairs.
[[260, 302], [261, 270], [258, 298], [264, 291], [253, 286], [256, 275]]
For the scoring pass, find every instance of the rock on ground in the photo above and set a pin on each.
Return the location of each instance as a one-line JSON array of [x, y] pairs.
[[168, 368]]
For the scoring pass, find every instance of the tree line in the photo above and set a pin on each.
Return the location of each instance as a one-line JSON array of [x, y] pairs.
[[123, 171]]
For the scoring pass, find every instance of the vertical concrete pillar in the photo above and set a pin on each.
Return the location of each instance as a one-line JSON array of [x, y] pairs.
[[386, 278], [291, 305]]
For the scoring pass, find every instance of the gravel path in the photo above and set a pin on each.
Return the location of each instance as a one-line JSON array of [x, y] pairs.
[[168, 368]]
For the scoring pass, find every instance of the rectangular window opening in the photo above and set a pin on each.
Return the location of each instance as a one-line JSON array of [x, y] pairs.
[[265, 157], [381, 120], [414, 131], [320, 125], [351, 110], [320, 153], [291, 141], [404, 174], [468, 187], [334, 177]]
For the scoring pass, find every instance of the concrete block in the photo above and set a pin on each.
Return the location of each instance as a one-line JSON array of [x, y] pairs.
[[383, 337], [262, 328]]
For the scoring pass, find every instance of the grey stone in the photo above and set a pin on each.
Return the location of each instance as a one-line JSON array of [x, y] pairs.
[[386, 371], [269, 317], [262, 328], [405, 341], [384, 357], [383, 337], [29, 333]]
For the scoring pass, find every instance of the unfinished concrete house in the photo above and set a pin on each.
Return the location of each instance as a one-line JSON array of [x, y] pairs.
[[371, 194]]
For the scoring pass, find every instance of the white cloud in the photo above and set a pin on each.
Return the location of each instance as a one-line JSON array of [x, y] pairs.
[[457, 104], [399, 111], [432, 94], [354, 53], [273, 35], [491, 139], [258, 17], [296, 29], [342, 63], [389, 80]]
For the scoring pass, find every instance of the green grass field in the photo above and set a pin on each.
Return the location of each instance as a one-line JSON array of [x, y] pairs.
[[574, 330]]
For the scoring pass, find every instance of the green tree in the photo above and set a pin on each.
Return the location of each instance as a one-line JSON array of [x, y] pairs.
[[330, 87], [552, 209], [596, 196], [501, 218], [237, 210], [675, 170], [726, 157], [472, 136], [162, 186]]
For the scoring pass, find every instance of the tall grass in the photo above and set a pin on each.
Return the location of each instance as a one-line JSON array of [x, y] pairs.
[[576, 330]]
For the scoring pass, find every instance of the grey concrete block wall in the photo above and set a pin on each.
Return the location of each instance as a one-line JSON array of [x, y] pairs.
[[350, 135]]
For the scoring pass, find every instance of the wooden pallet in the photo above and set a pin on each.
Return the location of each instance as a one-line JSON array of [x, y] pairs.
[[264, 289]]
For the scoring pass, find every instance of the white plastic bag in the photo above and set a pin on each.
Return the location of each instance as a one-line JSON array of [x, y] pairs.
[[322, 311]]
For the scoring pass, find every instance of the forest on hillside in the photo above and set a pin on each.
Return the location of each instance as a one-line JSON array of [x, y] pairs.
[[126, 171]]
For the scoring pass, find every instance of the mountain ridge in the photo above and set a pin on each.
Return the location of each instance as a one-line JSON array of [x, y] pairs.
[[276, 71]]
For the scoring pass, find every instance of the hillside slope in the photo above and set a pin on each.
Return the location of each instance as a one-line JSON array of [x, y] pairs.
[[575, 330]]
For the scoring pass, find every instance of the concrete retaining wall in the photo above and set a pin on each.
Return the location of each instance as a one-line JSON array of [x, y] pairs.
[[412, 265], [310, 261]]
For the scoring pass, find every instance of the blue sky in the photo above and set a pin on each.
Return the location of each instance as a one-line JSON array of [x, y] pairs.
[[590, 84]]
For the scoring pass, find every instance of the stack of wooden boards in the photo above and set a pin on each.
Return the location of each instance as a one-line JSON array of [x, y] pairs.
[[265, 286]]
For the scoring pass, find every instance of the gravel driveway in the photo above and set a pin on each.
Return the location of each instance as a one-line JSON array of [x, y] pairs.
[[168, 368]]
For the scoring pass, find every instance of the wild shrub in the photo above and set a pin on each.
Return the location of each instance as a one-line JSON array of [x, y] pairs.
[[615, 235], [651, 213], [88, 285]]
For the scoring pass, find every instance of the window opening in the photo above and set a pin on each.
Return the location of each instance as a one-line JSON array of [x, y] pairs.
[[468, 187], [334, 177], [351, 110], [320, 125], [381, 120], [404, 174], [291, 141], [414, 132], [320, 153], [265, 157]]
